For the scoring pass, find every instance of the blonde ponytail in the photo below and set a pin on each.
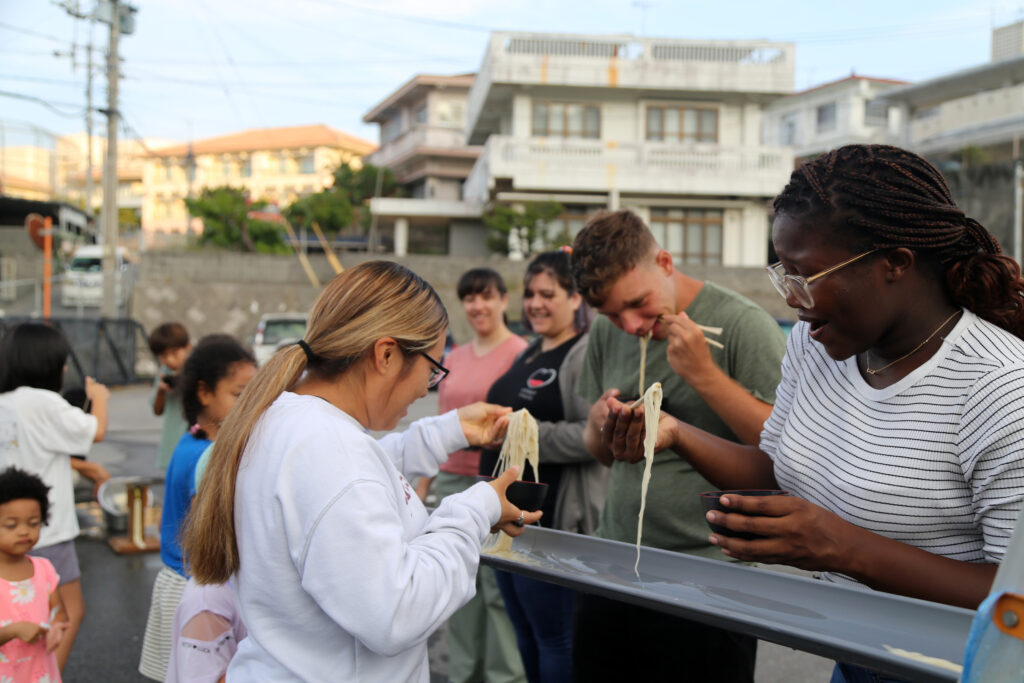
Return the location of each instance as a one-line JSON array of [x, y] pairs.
[[361, 305]]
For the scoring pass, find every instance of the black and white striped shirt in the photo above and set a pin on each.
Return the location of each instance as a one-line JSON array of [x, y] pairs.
[[935, 461]]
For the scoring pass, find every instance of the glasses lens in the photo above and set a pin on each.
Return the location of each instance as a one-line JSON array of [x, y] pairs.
[[435, 378], [801, 290], [779, 280]]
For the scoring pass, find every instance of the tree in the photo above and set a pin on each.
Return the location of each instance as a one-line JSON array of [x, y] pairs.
[[227, 222], [329, 209], [346, 203], [359, 185], [530, 224]]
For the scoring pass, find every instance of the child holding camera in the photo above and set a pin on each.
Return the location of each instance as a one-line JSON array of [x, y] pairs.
[[170, 344]]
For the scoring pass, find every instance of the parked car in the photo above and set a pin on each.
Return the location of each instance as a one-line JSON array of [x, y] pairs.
[[275, 330], [83, 280]]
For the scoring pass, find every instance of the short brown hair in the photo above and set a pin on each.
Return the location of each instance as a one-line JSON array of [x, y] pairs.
[[611, 244], [167, 336]]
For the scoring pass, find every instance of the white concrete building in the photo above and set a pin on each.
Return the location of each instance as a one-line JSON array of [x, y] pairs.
[[977, 111], [423, 143], [668, 128], [830, 115]]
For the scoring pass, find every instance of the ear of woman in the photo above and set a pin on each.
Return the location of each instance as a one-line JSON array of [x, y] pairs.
[[387, 356]]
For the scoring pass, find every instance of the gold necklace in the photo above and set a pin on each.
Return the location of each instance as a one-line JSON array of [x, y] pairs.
[[917, 348]]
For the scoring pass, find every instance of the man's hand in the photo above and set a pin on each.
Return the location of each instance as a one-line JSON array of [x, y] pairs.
[[624, 432], [688, 352]]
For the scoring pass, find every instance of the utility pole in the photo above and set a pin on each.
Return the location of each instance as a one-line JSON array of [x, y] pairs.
[[109, 213], [88, 119]]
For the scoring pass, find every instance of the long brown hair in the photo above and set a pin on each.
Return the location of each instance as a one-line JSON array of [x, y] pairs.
[[882, 197], [361, 305]]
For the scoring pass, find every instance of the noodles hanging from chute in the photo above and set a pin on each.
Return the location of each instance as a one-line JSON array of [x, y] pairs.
[[652, 413], [520, 447]]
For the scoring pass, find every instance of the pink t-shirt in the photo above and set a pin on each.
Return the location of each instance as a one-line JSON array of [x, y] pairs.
[[470, 379], [28, 600]]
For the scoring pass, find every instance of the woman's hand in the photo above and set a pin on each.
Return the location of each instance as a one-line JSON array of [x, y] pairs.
[[484, 424], [511, 515], [623, 432], [796, 532]]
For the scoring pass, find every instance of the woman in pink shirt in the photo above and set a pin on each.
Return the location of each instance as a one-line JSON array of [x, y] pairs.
[[481, 640]]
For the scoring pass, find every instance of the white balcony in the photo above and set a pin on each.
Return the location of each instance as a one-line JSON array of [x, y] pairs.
[[515, 60], [547, 165], [435, 139]]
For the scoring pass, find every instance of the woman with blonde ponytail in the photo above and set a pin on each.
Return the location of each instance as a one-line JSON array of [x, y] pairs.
[[339, 571]]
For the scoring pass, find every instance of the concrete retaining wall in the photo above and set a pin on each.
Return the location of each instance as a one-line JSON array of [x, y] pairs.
[[213, 291]]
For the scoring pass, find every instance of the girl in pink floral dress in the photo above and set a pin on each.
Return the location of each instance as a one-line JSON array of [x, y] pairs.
[[29, 604]]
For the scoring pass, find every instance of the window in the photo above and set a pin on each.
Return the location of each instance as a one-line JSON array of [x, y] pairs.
[[391, 129], [451, 114], [876, 113], [787, 129], [692, 236], [420, 114], [225, 169], [567, 120], [247, 167], [827, 117], [306, 164], [682, 124]]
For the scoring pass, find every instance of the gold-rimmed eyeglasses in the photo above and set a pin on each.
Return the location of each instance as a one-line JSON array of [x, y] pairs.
[[437, 373], [798, 285]]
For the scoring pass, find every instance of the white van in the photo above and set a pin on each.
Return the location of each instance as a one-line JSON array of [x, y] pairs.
[[83, 279]]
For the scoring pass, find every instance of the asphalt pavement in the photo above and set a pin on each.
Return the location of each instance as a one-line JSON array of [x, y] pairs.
[[117, 587]]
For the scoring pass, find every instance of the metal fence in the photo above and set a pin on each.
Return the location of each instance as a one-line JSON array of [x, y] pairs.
[[110, 350]]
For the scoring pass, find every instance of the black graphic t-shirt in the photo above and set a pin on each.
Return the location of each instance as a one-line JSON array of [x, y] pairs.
[[532, 383]]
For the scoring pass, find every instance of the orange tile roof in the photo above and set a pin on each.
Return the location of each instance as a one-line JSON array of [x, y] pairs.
[[291, 137]]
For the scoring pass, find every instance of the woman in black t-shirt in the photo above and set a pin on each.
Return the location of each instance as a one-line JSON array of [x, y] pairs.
[[543, 380]]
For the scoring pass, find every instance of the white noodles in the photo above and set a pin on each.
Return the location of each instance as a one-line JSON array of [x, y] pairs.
[[520, 447], [652, 413]]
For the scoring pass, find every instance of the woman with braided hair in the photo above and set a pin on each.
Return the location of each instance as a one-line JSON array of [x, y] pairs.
[[897, 424]]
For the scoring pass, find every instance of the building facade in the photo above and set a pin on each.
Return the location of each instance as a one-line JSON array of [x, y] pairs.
[[423, 143], [277, 165], [830, 115], [668, 128]]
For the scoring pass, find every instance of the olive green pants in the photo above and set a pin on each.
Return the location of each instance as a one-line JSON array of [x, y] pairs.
[[481, 641]]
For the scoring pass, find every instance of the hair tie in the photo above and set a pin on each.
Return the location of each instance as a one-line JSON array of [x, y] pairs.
[[310, 356], [566, 249]]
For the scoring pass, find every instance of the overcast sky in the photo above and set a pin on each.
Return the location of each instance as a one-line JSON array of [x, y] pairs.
[[201, 68]]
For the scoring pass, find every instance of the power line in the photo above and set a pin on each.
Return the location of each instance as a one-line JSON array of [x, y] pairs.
[[49, 105], [411, 18], [30, 32]]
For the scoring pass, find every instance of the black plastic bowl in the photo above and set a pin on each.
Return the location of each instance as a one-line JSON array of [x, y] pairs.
[[710, 501], [525, 495]]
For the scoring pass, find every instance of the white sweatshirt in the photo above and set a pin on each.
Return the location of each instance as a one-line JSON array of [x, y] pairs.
[[343, 574]]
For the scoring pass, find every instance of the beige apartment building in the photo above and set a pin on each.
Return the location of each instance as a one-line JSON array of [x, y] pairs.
[[278, 165]]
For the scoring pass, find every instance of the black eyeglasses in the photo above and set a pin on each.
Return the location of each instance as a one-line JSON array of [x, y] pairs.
[[437, 373]]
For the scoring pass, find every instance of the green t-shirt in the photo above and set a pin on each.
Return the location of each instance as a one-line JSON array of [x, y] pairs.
[[174, 421], [754, 346]]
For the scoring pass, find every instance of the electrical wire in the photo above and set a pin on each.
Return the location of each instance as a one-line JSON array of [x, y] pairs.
[[48, 104]]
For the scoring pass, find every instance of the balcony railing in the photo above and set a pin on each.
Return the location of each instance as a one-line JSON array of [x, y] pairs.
[[754, 66], [546, 164], [437, 137]]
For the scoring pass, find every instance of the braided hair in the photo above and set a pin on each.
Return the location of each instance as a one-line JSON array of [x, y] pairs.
[[884, 197]]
